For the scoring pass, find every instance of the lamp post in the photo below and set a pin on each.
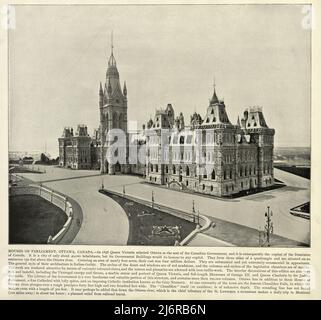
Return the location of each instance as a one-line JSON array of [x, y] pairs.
[[124, 192], [153, 199], [193, 211], [102, 184], [269, 225]]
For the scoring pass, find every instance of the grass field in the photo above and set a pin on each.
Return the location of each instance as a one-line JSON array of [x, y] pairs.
[[32, 219], [142, 219]]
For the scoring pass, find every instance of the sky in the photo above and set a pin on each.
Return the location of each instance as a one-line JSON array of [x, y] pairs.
[[259, 55]]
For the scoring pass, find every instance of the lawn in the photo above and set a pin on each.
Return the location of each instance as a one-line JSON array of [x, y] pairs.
[[32, 219], [152, 227]]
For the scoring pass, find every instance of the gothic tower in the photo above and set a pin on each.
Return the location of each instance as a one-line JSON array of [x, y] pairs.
[[113, 114]]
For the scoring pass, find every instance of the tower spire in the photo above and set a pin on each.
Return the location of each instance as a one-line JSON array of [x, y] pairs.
[[112, 60], [214, 98], [112, 42]]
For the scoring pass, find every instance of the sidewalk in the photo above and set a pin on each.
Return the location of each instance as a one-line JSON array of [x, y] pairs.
[[241, 236]]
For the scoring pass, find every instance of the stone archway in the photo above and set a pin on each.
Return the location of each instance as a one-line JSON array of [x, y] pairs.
[[117, 167], [174, 185]]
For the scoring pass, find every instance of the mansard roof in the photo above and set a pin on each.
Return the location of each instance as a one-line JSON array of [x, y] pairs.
[[216, 113], [253, 118]]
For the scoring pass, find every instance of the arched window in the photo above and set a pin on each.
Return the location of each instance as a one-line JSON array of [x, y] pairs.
[[156, 167], [224, 175], [166, 168], [151, 168], [187, 170], [212, 188], [120, 123], [115, 120], [174, 170], [231, 174], [213, 175]]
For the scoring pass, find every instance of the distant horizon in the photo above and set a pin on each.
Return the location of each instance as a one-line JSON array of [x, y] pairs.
[[28, 153]]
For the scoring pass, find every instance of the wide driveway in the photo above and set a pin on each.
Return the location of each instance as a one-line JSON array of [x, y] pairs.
[[106, 223]]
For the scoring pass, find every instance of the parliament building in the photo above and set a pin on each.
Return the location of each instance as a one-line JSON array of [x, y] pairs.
[[205, 154]]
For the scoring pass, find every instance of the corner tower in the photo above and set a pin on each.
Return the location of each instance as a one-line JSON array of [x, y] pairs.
[[113, 113]]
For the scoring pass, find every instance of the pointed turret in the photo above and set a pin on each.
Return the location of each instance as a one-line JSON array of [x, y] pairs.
[[125, 89], [216, 113], [214, 99], [238, 121], [101, 95]]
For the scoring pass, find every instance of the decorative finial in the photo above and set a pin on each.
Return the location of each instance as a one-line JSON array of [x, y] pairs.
[[112, 42], [214, 98]]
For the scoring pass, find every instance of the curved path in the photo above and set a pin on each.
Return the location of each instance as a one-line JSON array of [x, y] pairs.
[[105, 222]]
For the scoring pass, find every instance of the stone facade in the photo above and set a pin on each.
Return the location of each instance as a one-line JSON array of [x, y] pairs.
[[208, 155], [75, 149]]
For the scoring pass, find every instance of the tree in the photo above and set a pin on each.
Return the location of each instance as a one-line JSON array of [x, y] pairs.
[[44, 158]]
